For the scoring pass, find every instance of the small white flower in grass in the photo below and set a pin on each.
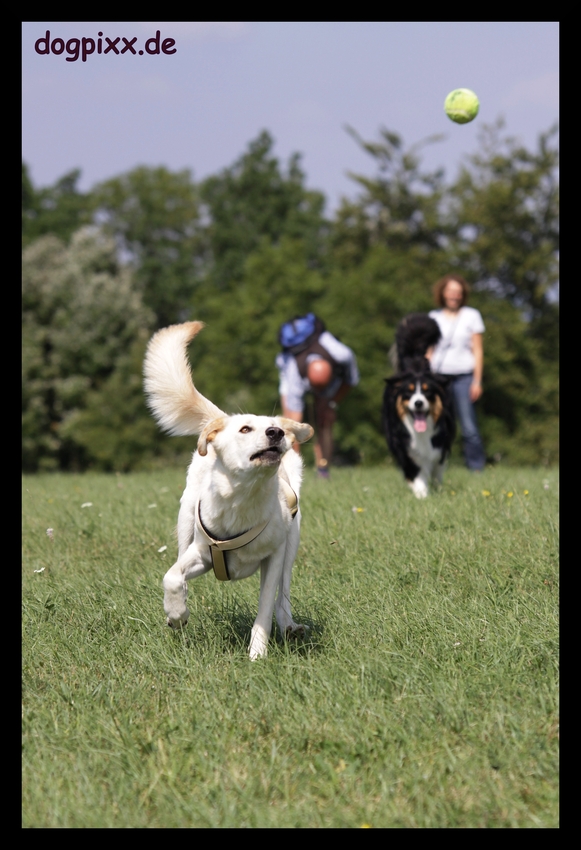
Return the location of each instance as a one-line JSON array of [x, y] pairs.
[[49, 533], [457, 643], [357, 510], [163, 548], [152, 505], [41, 570], [87, 505]]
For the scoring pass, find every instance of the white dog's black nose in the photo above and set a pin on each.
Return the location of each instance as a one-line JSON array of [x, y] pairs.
[[274, 434]]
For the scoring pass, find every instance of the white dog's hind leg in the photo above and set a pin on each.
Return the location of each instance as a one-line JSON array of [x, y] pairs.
[[188, 566]]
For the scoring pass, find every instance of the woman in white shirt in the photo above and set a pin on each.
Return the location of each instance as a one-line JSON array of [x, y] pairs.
[[459, 354]]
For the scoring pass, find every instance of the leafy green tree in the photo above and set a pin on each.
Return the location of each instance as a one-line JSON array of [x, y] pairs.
[[82, 313], [504, 211], [234, 356], [248, 249], [519, 409], [114, 427], [505, 216], [154, 216], [281, 270], [387, 246], [255, 200], [399, 207], [406, 230], [60, 209]]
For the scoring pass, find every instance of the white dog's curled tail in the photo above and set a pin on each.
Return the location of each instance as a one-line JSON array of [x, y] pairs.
[[171, 395]]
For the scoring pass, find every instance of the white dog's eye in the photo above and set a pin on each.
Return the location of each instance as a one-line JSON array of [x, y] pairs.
[[246, 429]]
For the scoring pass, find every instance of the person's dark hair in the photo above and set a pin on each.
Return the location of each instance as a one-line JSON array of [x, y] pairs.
[[441, 284]]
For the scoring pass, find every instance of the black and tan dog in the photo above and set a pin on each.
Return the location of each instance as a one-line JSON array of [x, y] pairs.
[[418, 414]]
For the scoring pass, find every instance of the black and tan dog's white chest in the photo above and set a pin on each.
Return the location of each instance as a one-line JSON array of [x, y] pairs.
[[420, 417]]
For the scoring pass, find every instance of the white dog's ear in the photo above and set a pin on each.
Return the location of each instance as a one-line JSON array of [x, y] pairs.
[[209, 434], [301, 431]]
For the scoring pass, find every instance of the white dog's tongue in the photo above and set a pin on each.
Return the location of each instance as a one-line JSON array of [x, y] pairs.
[[420, 423]]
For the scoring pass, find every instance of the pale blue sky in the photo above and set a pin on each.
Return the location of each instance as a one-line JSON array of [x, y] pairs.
[[301, 81]]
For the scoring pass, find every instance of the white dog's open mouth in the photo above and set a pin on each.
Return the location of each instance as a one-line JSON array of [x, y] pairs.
[[270, 455]]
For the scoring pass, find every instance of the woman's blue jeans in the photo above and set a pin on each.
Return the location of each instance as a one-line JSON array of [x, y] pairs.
[[474, 454]]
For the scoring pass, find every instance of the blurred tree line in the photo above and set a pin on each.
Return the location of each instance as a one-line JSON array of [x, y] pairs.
[[248, 248]]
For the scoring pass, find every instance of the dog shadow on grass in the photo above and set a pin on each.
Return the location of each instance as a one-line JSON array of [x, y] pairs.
[[229, 626]]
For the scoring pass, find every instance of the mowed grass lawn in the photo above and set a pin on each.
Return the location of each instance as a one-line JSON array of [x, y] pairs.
[[425, 694]]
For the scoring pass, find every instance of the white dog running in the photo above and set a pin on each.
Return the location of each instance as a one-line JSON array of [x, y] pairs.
[[239, 510]]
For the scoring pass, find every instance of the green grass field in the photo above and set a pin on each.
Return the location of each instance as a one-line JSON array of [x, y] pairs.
[[426, 694]]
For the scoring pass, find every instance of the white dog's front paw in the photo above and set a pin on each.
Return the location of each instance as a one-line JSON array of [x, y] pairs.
[[178, 621], [174, 599], [258, 643], [174, 604]]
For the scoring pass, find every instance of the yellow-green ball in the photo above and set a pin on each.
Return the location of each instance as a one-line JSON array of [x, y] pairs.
[[461, 106]]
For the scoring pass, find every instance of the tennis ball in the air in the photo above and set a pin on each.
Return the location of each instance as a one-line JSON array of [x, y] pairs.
[[461, 106]]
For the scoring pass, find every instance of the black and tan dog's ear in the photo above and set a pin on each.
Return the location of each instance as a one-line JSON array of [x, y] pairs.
[[209, 434], [392, 385], [437, 408], [301, 431]]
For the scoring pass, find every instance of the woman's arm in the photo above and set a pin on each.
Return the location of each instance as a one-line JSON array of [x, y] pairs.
[[478, 351]]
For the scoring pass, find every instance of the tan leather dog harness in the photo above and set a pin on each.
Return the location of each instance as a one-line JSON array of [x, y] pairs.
[[218, 548]]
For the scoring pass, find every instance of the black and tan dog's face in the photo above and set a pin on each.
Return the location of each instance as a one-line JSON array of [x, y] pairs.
[[417, 397]]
